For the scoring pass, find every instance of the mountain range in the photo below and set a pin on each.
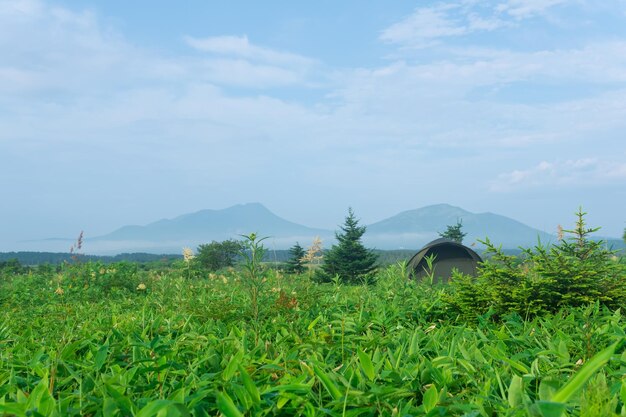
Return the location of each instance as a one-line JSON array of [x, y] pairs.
[[190, 230], [424, 224], [407, 230]]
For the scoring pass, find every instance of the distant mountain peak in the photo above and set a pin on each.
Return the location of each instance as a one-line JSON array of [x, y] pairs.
[[415, 227], [408, 229], [253, 207], [206, 225], [235, 209], [439, 210], [442, 208]]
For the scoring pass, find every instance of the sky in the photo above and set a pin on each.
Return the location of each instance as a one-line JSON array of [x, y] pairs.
[[115, 112]]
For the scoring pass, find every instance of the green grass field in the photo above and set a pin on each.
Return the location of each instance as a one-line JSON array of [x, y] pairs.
[[112, 340]]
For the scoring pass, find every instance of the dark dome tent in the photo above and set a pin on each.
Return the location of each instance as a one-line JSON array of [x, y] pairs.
[[448, 255]]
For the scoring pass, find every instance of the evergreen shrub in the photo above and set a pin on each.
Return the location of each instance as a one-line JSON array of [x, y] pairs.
[[575, 272]]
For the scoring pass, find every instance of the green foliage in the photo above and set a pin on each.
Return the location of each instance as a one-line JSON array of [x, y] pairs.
[[455, 232], [390, 257], [11, 266], [217, 255], [254, 272], [597, 399], [95, 278], [296, 264], [576, 272], [349, 260], [54, 258], [96, 339], [184, 347]]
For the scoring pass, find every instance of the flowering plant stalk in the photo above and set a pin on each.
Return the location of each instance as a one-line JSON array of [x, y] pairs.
[[254, 273], [188, 256]]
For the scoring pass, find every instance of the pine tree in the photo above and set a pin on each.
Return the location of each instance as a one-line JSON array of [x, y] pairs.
[[295, 264], [579, 270], [454, 232], [349, 259]]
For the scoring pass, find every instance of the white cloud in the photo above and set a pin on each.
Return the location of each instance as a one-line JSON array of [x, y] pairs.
[[242, 73], [76, 96], [234, 60], [476, 23], [426, 26], [64, 52], [240, 46], [74, 83], [423, 26], [20, 7], [396, 105], [575, 172], [435, 102], [524, 9]]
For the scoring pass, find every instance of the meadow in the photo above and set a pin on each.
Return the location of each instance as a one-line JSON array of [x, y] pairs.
[[116, 340]]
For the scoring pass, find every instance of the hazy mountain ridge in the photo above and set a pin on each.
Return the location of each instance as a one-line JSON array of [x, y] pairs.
[[204, 226], [409, 229], [427, 222], [208, 225]]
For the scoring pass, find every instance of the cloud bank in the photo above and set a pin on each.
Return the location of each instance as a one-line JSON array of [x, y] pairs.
[[92, 119]]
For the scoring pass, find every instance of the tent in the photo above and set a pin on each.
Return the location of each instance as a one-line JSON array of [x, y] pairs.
[[448, 255]]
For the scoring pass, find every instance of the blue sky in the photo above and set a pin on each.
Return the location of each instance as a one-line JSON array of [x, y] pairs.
[[115, 112]]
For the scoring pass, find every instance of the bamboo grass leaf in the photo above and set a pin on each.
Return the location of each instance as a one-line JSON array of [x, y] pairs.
[[17, 409], [41, 399], [550, 408], [516, 391], [182, 410], [153, 408], [313, 323], [101, 356], [249, 384], [227, 406], [366, 365], [583, 375], [327, 382], [431, 398], [231, 366], [547, 388]]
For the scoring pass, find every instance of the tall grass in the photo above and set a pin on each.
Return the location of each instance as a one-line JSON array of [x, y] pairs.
[[180, 347]]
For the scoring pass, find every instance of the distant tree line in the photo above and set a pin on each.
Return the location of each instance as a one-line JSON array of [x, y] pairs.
[[279, 257], [54, 258]]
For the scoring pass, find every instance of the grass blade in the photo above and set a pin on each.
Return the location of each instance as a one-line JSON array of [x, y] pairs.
[[584, 374]]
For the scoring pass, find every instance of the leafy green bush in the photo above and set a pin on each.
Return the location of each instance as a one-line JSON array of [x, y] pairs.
[[10, 267], [575, 272], [217, 255]]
